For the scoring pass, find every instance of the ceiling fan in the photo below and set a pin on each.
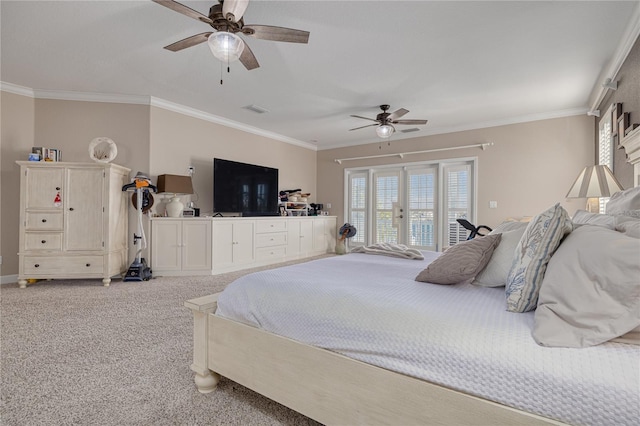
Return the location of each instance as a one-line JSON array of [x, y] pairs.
[[385, 121], [226, 19]]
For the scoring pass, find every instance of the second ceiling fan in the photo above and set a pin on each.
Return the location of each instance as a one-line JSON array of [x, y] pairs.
[[385, 121], [226, 18]]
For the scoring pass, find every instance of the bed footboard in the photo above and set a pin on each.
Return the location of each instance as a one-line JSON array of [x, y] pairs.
[[206, 380]]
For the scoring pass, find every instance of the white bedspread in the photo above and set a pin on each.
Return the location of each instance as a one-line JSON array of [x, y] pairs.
[[370, 308]]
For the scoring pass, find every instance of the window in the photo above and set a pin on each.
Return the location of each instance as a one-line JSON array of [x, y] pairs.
[[605, 148], [416, 204], [457, 201], [357, 206]]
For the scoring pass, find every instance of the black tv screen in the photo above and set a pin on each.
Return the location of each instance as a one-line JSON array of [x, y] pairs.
[[244, 188]]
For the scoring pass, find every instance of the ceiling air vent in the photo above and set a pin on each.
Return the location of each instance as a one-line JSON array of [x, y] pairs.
[[256, 108], [413, 129]]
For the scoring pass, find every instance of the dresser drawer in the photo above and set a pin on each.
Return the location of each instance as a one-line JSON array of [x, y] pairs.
[[270, 240], [265, 226], [63, 266], [267, 253], [43, 241], [44, 221]]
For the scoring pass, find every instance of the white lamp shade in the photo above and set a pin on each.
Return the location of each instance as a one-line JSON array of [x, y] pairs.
[[385, 130], [225, 46], [594, 182]]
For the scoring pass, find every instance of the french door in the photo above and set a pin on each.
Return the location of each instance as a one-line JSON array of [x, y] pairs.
[[416, 205]]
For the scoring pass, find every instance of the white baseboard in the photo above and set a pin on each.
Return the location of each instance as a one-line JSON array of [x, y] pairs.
[[8, 279]]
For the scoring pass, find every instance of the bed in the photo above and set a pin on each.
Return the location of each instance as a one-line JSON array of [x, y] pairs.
[[327, 338]]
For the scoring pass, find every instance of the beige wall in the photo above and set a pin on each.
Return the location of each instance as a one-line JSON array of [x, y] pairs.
[[529, 168], [178, 141], [17, 115], [149, 139], [72, 125], [628, 94]]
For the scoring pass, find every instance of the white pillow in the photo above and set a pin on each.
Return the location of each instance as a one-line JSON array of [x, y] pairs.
[[626, 203], [583, 217], [591, 290], [541, 238], [509, 225], [630, 228], [496, 272]]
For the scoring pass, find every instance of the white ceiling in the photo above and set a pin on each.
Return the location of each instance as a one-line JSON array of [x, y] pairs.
[[458, 64]]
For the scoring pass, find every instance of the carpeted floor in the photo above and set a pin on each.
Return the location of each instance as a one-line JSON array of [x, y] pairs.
[[75, 352]]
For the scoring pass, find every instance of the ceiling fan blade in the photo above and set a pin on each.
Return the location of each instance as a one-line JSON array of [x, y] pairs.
[[189, 41], [181, 8], [397, 114], [414, 122], [267, 32], [248, 59], [362, 127], [233, 10], [364, 118]]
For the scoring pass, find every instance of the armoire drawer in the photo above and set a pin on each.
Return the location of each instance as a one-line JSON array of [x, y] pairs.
[[270, 240], [62, 265], [44, 221], [43, 241]]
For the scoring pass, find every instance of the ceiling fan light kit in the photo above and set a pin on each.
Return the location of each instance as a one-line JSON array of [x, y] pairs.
[[385, 130], [225, 46]]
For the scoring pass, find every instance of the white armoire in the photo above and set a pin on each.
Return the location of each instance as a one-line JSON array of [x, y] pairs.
[[73, 221]]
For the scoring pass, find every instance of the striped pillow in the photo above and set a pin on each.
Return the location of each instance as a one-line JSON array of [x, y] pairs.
[[540, 240]]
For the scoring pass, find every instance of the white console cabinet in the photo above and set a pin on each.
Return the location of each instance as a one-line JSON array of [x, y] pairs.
[[232, 244], [73, 221], [181, 246]]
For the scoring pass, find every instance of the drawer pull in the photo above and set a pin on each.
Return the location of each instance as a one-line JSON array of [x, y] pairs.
[[43, 241], [44, 220], [57, 188], [37, 265], [87, 265], [70, 209]]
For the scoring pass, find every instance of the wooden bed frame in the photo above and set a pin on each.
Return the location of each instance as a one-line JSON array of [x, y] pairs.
[[328, 387]]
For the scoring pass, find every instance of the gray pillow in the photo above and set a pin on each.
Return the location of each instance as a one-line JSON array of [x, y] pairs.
[[460, 262], [496, 272], [541, 238], [591, 290]]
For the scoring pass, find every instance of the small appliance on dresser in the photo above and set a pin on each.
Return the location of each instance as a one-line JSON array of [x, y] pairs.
[[73, 221]]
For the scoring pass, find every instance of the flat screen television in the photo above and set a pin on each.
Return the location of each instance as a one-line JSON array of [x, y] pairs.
[[248, 189]]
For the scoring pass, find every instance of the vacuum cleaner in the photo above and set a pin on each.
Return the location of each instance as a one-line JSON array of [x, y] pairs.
[[142, 200]]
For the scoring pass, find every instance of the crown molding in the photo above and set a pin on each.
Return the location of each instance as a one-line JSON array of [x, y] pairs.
[[91, 97], [16, 90], [611, 70], [475, 126], [195, 113], [151, 101]]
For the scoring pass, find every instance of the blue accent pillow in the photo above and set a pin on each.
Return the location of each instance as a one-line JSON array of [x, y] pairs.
[[538, 243]]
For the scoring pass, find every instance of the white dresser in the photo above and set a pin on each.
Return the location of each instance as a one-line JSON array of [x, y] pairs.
[[217, 245], [73, 221]]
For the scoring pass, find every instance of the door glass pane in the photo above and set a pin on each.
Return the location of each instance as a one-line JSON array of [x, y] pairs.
[[421, 198], [386, 195]]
